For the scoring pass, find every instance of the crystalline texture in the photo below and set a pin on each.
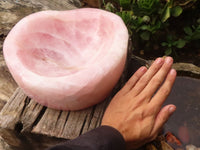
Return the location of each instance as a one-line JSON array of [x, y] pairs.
[[67, 60]]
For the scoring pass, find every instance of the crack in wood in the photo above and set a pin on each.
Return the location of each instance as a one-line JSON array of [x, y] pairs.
[[84, 122], [65, 121], [91, 116], [60, 113], [63, 115], [39, 117], [98, 122], [26, 102]]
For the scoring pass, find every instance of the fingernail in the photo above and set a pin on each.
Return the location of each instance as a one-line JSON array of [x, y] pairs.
[[171, 109], [143, 68], [168, 60], [172, 71], [159, 60]]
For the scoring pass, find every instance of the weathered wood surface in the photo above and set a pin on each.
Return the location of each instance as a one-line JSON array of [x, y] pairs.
[[32, 117], [7, 84], [23, 115]]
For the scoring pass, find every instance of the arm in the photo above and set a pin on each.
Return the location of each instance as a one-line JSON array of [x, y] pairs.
[[102, 138]]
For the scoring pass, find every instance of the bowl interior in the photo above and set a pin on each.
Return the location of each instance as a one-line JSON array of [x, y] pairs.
[[53, 47]]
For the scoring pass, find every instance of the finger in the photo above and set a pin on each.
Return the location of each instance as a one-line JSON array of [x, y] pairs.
[[133, 80], [147, 76], [162, 118], [158, 78], [160, 97]]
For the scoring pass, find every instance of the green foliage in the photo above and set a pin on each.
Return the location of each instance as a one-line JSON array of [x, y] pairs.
[[110, 7], [125, 3], [170, 10], [148, 20], [171, 44], [192, 33], [176, 11], [147, 6]]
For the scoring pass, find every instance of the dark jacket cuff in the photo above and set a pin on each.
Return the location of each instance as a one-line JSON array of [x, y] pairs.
[[101, 138]]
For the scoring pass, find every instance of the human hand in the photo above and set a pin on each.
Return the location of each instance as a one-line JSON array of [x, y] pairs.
[[135, 111]]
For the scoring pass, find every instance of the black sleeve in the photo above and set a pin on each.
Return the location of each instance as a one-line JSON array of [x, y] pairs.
[[101, 138]]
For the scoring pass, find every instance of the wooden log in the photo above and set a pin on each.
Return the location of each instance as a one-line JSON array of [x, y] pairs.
[[12, 111], [23, 114]]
